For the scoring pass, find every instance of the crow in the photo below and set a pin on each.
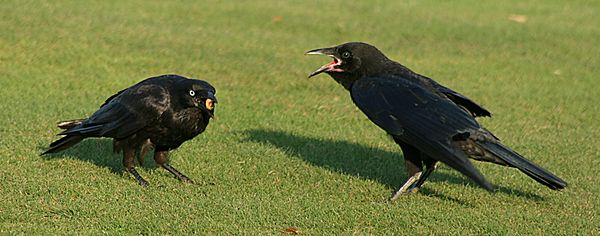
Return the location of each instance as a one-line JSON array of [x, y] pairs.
[[157, 113], [429, 122]]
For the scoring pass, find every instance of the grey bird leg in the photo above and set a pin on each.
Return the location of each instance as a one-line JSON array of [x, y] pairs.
[[405, 186], [162, 159], [430, 167], [414, 165]]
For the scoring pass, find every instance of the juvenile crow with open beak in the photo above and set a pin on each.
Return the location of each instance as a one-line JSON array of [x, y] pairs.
[[430, 122], [158, 113]]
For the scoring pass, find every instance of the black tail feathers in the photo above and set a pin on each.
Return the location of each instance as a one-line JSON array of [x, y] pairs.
[[67, 124], [63, 143], [529, 168]]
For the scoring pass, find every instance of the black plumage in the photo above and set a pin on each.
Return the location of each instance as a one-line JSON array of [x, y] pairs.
[[157, 113], [430, 122]]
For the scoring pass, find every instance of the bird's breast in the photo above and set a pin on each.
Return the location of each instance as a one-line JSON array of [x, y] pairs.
[[190, 121], [176, 128]]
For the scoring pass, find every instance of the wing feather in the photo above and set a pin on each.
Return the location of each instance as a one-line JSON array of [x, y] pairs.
[[418, 117], [125, 113], [462, 100]]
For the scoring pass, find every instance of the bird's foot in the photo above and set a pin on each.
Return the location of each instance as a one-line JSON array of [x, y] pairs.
[[137, 176], [403, 189], [143, 183], [177, 174], [186, 179], [413, 190], [410, 186]]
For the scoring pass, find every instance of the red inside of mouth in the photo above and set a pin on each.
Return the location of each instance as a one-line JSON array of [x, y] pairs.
[[334, 62]]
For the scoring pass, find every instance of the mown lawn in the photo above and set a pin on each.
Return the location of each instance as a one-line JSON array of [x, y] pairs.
[[286, 151]]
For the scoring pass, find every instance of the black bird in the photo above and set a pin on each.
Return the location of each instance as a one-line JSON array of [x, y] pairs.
[[430, 122], [157, 113]]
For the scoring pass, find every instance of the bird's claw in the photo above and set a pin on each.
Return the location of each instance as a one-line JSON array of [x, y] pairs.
[[406, 187], [177, 174], [413, 190], [185, 179], [144, 183], [137, 176]]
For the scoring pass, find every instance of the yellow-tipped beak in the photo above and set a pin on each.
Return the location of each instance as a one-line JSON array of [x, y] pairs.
[[209, 104]]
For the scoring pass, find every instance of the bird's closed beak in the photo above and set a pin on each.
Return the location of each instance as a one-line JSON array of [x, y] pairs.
[[210, 104], [212, 97], [329, 66]]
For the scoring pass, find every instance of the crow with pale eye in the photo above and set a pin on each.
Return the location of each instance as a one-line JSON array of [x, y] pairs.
[[159, 113], [430, 122]]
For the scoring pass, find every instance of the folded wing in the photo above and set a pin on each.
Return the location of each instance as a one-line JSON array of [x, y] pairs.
[[419, 117]]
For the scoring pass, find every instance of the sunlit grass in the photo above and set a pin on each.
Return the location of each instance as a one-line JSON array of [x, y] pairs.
[[286, 151]]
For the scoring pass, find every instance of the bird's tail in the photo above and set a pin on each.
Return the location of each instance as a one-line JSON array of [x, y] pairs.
[[63, 143], [67, 124], [514, 159], [67, 141]]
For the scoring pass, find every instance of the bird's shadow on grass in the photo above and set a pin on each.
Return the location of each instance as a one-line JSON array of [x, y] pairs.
[[98, 151], [359, 160]]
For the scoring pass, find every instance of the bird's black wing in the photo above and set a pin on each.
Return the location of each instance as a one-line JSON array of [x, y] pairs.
[[125, 113], [462, 100], [68, 124], [113, 96], [418, 117]]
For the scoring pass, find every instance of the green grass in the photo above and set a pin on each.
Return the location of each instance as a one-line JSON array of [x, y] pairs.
[[286, 151]]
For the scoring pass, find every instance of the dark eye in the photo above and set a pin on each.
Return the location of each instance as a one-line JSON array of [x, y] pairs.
[[192, 93], [346, 55]]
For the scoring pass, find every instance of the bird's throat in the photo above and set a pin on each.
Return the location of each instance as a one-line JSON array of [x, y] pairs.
[[344, 79]]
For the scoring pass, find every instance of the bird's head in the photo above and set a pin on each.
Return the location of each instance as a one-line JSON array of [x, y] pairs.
[[350, 60], [198, 93]]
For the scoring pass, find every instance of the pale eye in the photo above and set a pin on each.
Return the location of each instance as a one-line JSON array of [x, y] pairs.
[[192, 93]]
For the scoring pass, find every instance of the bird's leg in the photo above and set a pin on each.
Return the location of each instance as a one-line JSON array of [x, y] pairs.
[[414, 165], [145, 147], [415, 172], [162, 159], [430, 166], [128, 162]]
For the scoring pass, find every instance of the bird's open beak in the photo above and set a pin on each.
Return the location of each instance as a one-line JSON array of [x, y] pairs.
[[329, 66]]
